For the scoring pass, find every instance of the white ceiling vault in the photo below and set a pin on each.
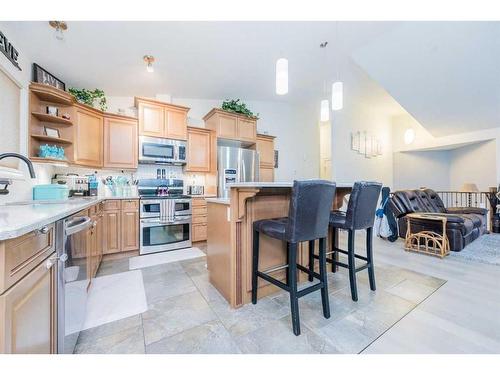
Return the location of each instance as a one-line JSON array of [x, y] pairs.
[[195, 59], [445, 74]]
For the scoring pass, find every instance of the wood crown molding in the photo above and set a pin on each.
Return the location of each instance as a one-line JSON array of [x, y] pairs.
[[228, 113], [139, 99]]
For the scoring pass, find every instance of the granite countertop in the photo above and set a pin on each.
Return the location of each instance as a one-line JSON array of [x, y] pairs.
[[18, 218], [218, 200], [278, 184]]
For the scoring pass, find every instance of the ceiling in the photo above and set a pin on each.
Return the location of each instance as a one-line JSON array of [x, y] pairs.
[[196, 59], [445, 74]]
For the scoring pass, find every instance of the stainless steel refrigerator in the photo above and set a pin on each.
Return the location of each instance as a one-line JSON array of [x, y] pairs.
[[235, 164]]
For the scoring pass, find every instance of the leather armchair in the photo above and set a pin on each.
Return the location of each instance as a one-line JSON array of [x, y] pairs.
[[464, 224]]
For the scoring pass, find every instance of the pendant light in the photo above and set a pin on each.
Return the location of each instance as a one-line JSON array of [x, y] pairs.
[[282, 76], [325, 111], [338, 86], [324, 114], [337, 96]]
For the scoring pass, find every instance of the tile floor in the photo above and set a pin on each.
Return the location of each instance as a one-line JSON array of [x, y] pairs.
[[187, 315]]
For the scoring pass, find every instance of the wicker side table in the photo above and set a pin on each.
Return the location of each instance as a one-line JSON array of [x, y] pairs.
[[427, 242]]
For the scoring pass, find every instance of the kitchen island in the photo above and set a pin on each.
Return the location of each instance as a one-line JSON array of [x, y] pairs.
[[229, 241]]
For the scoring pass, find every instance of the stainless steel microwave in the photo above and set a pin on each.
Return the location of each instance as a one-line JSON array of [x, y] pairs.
[[162, 151]]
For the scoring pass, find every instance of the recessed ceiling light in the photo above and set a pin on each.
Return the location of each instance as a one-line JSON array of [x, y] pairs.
[[149, 60], [60, 27]]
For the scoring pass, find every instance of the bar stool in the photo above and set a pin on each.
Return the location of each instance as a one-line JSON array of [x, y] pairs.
[[360, 215], [307, 220]]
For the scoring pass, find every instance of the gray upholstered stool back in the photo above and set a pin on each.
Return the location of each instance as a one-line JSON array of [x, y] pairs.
[[309, 212], [362, 204]]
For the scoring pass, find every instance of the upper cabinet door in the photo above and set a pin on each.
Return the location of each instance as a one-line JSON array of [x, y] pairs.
[[265, 148], [175, 123], [198, 150], [247, 130], [151, 120], [88, 138], [120, 143], [227, 126]]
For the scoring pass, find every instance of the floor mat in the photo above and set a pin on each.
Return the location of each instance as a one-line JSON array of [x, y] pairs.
[[149, 260], [485, 249], [115, 297]]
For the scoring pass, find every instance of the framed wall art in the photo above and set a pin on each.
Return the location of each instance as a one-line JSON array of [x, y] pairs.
[[40, 75]]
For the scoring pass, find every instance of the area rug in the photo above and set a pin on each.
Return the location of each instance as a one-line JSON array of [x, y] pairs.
[[150, 260], [106, 302], [486, 249]]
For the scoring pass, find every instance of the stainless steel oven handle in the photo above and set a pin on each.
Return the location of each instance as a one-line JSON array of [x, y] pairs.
[[77, 225], [146, 223]]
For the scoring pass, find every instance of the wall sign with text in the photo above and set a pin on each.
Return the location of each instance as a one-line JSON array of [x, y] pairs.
[[9, 51]]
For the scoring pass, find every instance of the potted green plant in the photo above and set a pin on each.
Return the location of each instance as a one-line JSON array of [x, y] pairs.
[[237, 106], [89, 97]]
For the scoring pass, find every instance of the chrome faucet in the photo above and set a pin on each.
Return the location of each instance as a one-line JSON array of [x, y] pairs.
[[5, 181]]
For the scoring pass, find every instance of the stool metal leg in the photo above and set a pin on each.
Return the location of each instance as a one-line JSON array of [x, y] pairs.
[[311, 260], [323, 278], [292, 276], [255, 265], [352, 265], [369, 257]]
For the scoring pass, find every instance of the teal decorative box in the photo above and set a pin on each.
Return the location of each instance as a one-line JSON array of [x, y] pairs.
[[50, 191]]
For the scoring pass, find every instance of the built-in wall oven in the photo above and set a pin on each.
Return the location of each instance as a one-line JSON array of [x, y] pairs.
[[154, 150]]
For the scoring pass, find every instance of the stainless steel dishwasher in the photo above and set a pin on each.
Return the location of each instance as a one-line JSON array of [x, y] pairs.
[[72, 280]]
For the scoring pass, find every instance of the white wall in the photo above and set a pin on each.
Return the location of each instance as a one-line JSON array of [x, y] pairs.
[[366, 108], [416, 169], [472, 157], [475, 163], [20, 190]]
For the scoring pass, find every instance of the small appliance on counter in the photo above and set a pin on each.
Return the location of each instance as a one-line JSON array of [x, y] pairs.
[[50, 192], [195, 190], [77, 185], [93, 184]]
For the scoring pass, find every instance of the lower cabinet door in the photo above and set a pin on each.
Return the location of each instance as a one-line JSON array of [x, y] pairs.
[[130, 230], [28, 313], [111, 232], [199, 232]]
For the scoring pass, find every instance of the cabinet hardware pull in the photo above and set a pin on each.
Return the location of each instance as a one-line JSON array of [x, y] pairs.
[[43, 230]]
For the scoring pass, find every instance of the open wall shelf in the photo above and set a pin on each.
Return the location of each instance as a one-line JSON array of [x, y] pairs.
[[52, 119], [46, 138]]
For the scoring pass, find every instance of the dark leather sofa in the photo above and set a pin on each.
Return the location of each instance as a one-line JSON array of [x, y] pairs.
[[464, 224]]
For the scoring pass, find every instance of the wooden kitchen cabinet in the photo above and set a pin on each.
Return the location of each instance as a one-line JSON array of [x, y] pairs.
[[229, 125], [151, 119], [175, 123], [160, 119], [130, 225], [121, 223], [28, 313], [120, 142], [200, 148], [199, 219], [246, 130], [88, 137], [265, 148], [111, 223], [266, 174]]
